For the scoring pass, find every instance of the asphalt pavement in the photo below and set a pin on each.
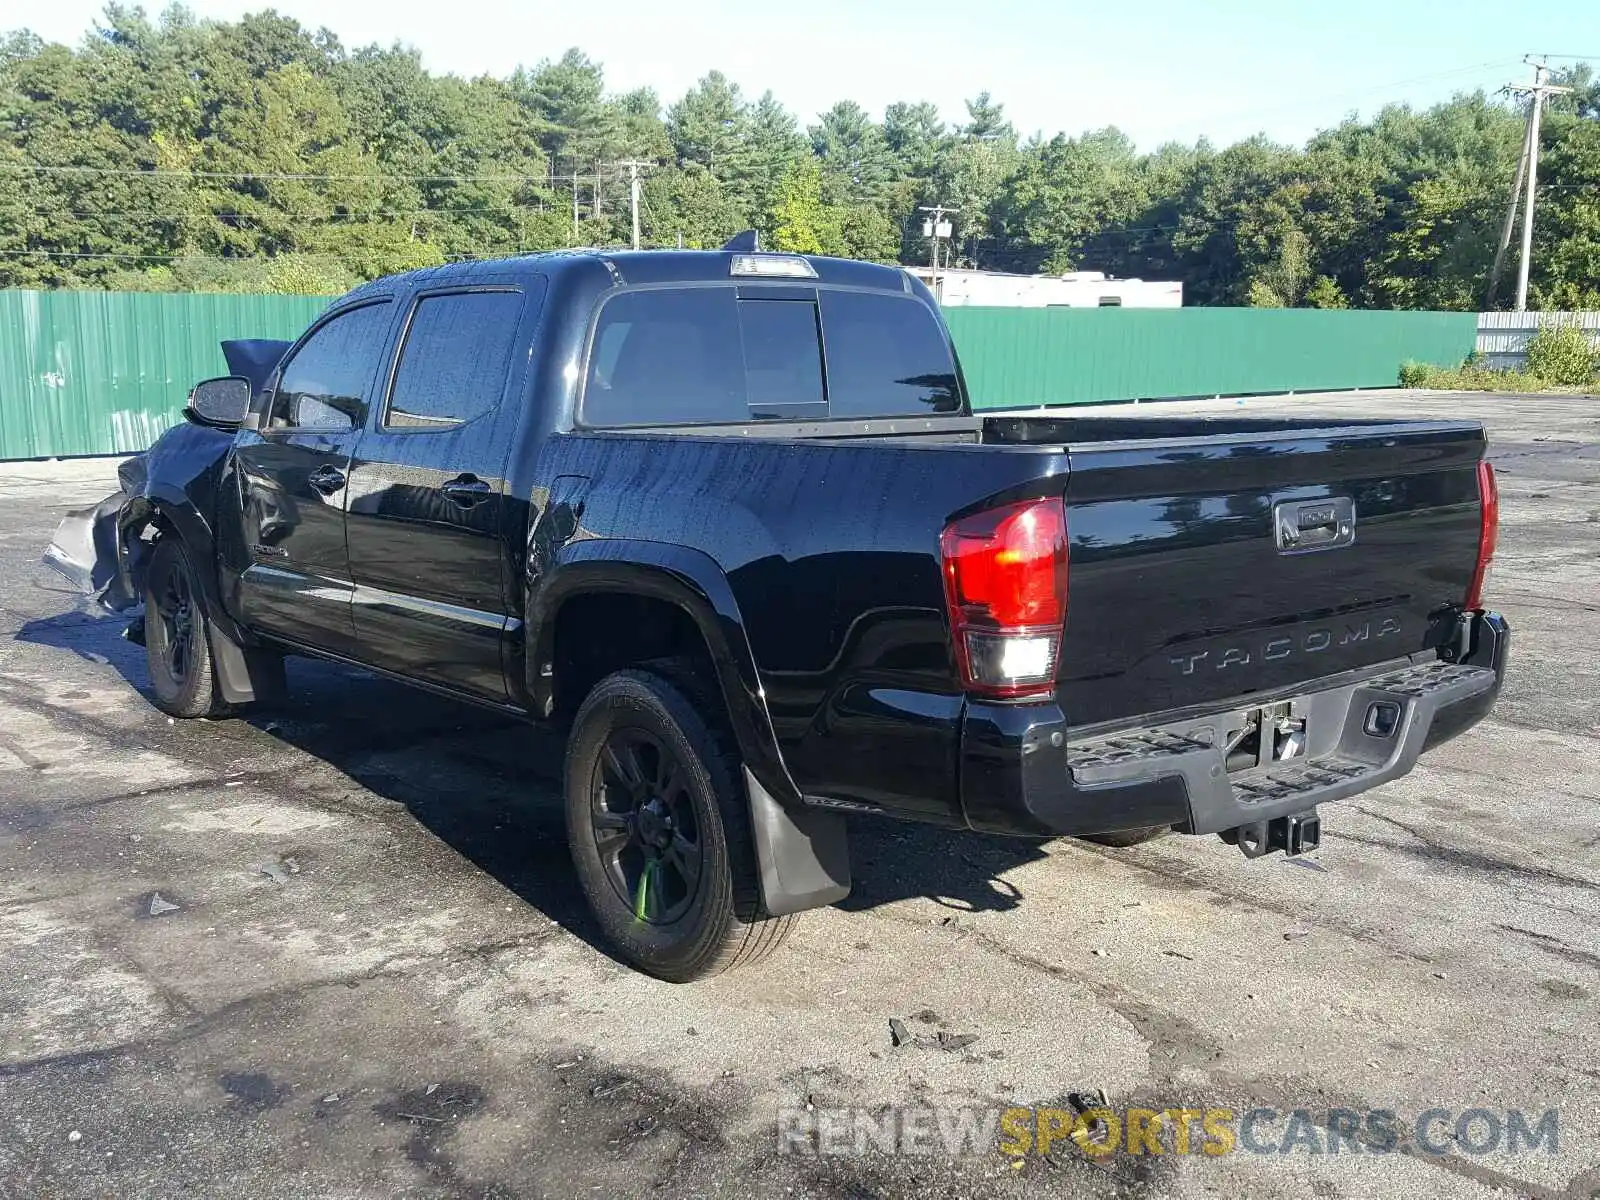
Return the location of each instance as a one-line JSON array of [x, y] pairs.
[[336, 949]]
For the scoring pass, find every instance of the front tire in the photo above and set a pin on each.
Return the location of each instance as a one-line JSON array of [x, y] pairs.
[[182, 673], [658, 822]]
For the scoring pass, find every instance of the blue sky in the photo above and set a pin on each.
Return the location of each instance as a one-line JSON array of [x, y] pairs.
[[1159, 69]]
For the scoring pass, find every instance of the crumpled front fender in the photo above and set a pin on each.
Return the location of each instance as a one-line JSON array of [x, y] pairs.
[[87, 550]]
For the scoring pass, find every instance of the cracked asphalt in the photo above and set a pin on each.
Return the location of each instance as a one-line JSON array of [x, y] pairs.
[[336, 949]]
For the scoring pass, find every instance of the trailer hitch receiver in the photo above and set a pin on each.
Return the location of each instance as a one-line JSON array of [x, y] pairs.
[[1293, 834]]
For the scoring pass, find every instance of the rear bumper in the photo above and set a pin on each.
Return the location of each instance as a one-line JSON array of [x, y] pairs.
[[1022, 772]]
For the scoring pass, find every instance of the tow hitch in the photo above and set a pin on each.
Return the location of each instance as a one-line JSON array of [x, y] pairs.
[[1294, 834]]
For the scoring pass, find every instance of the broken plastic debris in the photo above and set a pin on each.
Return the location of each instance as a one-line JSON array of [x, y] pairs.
[[274, 871], [898, 1033]]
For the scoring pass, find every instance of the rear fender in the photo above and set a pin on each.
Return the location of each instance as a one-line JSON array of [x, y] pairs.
[[802, 851], [686, 578]]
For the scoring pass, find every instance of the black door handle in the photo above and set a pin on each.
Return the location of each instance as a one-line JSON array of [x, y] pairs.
[[467, 490], [327, 480]]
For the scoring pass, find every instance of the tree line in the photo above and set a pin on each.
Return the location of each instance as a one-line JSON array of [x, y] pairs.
[[259, 155]]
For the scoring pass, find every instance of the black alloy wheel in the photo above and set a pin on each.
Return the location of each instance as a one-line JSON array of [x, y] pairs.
[[658, 820], [182, 672], [644, 825], [175, 611]]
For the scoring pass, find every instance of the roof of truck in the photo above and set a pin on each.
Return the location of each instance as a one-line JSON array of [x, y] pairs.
[[640, 267]]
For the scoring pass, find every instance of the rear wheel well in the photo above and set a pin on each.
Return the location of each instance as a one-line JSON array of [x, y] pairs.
[[597, 633]]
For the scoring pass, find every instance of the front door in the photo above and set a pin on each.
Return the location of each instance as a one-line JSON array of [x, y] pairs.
[[293, 476], [426, 513]]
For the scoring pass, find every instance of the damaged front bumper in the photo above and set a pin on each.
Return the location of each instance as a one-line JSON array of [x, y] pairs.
[[87, 550]]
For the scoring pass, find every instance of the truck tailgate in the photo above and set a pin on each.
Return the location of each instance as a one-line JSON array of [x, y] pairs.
[[1209, 568]]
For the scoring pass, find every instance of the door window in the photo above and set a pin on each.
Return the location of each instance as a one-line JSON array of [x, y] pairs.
[[453, 365], [324, 383]]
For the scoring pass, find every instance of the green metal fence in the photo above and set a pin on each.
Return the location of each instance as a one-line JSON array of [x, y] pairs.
[[1032, 356], [106, 372]]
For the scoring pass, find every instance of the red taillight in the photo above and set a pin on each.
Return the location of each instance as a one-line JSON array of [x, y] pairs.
[[1488, 533], [1005, 582]]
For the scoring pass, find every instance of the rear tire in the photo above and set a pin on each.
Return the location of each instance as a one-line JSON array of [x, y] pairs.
[[177, 652], [659, 827], [1121, 838]]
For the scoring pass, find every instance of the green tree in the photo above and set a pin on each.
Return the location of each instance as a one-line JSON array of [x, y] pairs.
[[801, 222], [260, 153], [857, 164], [708, 124]]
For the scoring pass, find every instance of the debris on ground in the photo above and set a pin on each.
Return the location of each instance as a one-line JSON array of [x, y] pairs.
[[943, 1039], [279, 869], [1089, 1136], [160, 907]]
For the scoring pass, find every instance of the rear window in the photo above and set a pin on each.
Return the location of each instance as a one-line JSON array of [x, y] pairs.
[[664, 357], [707, 355], [887, 357]]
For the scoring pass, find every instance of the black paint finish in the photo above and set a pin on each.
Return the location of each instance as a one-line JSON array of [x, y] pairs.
[[806, 554]]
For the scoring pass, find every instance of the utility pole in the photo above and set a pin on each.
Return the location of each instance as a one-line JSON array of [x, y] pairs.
[[1510, 223], [574, 204], [1536, 93], [633, 166], [934, 228]]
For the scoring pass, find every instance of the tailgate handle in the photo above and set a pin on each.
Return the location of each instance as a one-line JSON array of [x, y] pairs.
[[1301, 526]]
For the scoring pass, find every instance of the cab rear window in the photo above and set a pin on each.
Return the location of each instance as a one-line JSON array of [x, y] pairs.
[[711, 355]]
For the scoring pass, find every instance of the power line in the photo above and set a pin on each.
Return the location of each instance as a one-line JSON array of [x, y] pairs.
[[163, 173], [1370, 90], [243, 258]]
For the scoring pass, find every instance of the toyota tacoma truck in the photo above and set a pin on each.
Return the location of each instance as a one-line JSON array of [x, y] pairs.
[[726, 518]]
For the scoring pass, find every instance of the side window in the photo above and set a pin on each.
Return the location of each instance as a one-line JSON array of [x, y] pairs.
[[887, 357], [665, 357], [324, 384], [454, 361]]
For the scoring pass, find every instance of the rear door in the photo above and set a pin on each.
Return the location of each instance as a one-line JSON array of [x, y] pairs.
[[426, 519], [292, 476]]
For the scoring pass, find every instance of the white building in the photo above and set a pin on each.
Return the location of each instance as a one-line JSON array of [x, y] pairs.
[[1076, 289]]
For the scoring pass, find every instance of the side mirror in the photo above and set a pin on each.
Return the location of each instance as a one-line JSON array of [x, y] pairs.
[[219, 403]]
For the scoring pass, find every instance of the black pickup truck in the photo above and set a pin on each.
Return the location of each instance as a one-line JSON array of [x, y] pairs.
[[728, 519]]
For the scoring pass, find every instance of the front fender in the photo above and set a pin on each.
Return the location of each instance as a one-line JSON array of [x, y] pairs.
[[176, 483], [679, 575]]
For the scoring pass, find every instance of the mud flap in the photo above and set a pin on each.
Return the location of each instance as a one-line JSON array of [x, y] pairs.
[[244, 676], [804, 853]]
